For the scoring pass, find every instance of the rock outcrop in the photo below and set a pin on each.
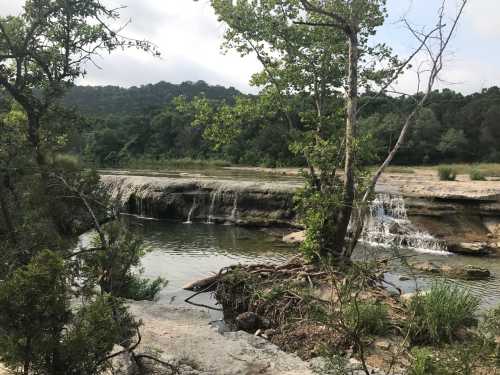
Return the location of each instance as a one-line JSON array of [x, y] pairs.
[[465, 216], [467, 272]]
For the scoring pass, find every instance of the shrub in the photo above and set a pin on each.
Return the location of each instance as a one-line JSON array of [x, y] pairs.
[[422, 362], [447, 173], [438, 314], [476, 175], [41, 332], [139, 289], [370, 318], [115, 265]]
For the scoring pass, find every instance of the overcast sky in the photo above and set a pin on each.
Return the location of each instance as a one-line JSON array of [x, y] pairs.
[[189, 37]]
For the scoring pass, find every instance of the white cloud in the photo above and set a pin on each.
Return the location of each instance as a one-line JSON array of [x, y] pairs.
[[189, 37], [482, 17]]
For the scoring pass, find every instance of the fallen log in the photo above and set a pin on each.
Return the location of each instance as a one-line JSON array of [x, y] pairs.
[[201, 284]]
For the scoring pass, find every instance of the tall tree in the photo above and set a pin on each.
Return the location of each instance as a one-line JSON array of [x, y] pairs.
[[321, 50]]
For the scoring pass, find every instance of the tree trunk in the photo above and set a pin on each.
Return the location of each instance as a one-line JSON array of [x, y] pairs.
[[344, 213], [34, 137], [6, 215]]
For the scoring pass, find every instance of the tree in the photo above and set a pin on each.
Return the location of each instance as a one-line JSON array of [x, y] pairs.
[[39, 332], [45, 49], [48, 198], [319, 50]]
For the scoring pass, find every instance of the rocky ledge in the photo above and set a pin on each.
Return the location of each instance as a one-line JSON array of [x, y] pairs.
[[464, 215]]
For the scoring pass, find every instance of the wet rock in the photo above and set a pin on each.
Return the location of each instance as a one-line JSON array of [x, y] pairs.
[[251, 322], [296, 237], [427, 267], [470, 248], [467, 272]]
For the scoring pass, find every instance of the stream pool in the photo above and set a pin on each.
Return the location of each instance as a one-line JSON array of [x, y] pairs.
[[182, 253]]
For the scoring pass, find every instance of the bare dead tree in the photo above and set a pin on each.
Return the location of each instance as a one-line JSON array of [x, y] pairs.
[[434, 44]]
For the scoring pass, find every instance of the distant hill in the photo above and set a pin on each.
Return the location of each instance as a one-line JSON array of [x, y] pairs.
[[98, 100]]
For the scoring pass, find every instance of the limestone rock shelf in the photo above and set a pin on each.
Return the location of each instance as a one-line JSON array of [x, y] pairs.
[[463, 214]]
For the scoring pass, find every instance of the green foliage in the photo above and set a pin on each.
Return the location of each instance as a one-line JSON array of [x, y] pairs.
[[139, 289], [475, 174], [422, 362], [447, 173], [112, 264], [368, 318], [436, 316], [40, 332]]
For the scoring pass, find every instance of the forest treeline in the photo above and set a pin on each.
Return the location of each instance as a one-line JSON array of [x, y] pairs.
[[162, 121]]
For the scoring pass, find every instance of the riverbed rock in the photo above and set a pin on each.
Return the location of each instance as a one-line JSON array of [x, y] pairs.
[[470, 248], [251, 322], [468, 272], [295, 237]]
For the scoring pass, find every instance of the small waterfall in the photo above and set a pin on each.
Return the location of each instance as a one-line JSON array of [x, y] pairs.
[[215, 197], [191, 210], [388, 226], [234, 211], [143, 207]]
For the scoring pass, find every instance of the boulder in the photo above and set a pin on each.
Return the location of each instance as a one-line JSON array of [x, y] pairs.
[[467, 272], [250, 322], [295, 237], [470, 248]]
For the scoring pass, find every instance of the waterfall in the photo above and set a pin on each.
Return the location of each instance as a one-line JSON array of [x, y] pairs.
[[191, 210], [232, 218], [142, 205], [215, 196], [388, 226]]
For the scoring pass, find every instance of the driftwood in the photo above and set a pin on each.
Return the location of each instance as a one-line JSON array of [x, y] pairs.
[[294, 266], [200, 284]]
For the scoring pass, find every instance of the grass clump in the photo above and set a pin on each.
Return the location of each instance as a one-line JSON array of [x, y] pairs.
[[422, 362], [440, 313], [447, 173], [475, 174], [369, 318]]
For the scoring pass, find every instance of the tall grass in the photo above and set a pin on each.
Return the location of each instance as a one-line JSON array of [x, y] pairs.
[[486, 169], [447, 174], [440, 313], [371, 318]]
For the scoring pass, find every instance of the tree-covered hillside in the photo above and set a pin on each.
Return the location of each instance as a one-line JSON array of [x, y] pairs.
[[151, 123], [105, 100]]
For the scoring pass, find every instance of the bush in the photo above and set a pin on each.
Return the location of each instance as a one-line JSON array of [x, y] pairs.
[[476, 175], [438, 314], [42, 332], [447, 173], [139, 289], [115, 266], [370, 318], [422, 363]]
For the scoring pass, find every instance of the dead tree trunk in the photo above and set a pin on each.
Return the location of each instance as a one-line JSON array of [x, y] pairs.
[[345, 211]]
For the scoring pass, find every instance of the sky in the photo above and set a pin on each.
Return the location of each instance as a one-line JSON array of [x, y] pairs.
[[189, 37]]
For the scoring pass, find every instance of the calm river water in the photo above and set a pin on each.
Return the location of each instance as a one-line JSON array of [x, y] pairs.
[[185, 252]]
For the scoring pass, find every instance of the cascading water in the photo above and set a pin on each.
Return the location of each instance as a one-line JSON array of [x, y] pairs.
[[388, 226], [234, 211], [215, 197], [191, 210], [143, 207]]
